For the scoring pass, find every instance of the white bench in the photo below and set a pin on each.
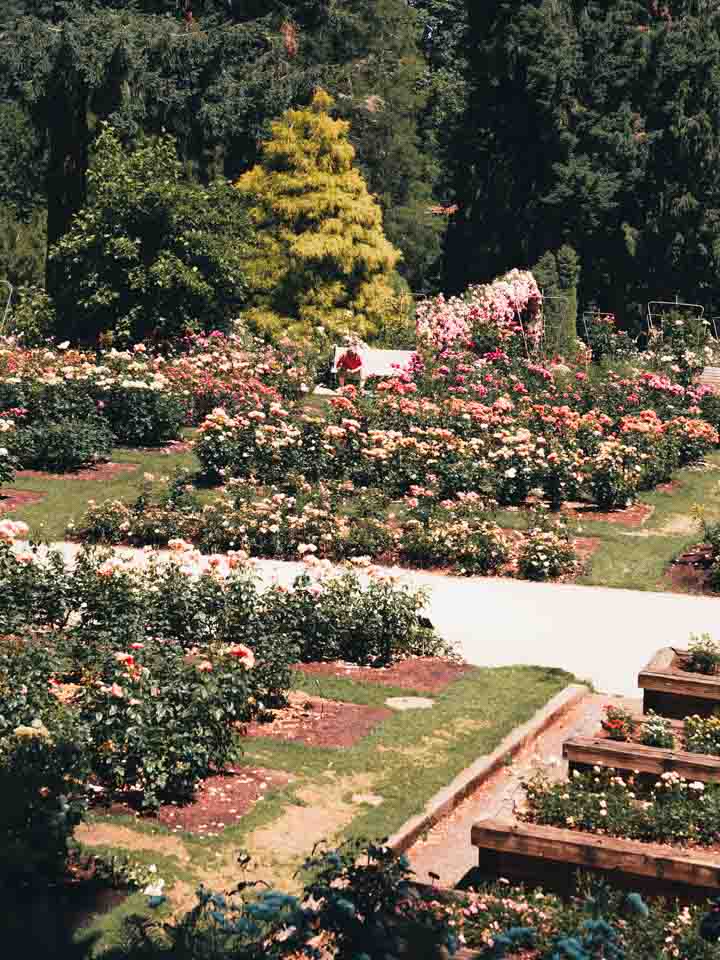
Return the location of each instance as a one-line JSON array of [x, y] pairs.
[[378, 363]]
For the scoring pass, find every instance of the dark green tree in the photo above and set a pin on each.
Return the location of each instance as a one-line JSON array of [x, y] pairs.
[[153, 253]]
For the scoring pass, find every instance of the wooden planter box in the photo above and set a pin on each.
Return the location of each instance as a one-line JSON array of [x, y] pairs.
[[551, 856], [583, 752], [673, 692]]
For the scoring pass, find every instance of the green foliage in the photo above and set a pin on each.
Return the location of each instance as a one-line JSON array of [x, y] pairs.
[[63, 445], [703, 654], [31, 316], [657, 732], [152, 253], [322, 262], [140, 416], [42, 774], [702, 735], [22, 250], [162, 718], [673, 810]]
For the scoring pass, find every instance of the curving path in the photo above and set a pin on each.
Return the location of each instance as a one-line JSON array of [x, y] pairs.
[[599, 634]]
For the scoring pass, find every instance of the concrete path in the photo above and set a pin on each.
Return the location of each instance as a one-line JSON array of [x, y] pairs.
[[601, 635]]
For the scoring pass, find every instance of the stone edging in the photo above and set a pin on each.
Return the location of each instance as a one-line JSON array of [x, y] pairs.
[[468, 780]]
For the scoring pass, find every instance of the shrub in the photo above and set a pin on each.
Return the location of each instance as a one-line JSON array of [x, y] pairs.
[[42, 775], [62, 446], [618, 723], [546, 554], [703, 654], [614, 475], [672, 810], [702, 735], [32, 315], [7, 460], [139, 415], [336, 618], [151, 252], [471, 548], [162, 717], [657, 732]]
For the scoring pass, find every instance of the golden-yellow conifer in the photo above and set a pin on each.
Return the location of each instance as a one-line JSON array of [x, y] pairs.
[[321, 258]]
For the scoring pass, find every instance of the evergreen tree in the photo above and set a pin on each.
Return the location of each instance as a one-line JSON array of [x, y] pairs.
[[321, 258]]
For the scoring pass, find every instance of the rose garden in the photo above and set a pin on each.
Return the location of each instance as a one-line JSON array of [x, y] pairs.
[[166, 709]]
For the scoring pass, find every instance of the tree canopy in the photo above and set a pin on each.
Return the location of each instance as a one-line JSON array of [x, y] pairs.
[[152, 253], [520, 125]]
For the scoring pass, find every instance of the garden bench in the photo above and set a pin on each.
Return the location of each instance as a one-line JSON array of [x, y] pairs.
[[378, 363]]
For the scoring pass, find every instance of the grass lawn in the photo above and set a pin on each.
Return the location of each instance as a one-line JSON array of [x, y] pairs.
[[638, 559], [67, 498], [404, 761]]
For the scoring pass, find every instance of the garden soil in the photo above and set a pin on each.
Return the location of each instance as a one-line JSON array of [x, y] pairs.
[[317, 722], [425, 674], [102, 471]]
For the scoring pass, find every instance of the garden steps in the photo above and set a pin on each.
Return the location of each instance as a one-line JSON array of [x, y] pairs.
[[550, 856]]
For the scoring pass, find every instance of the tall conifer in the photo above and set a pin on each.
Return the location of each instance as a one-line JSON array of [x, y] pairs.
[[322, 259]]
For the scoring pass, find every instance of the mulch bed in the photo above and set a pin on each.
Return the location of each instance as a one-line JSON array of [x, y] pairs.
[[316, 722], [634, 516], [12, 500], [426, 674], [690, 572], [585, 547], [102, 471], [220, 801]]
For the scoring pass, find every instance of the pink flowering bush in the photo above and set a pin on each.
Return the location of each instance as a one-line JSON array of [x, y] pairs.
[[487, 314], [161, 717]]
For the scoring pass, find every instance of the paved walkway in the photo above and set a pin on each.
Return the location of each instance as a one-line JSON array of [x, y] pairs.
[[599, 634]]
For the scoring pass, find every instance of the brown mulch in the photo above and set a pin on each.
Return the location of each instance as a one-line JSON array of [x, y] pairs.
[[102, 471], [634, 516], [317, 722], [690, 572], [13, 499], [585, 547], [220, 801], [425, 674]]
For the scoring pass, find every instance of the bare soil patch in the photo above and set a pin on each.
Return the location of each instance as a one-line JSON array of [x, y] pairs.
[[220, 801], [585, 547], [690, 572], [317, 722], [14, 499], [634, 516], [428, 674], [117, 835], [101, 471]]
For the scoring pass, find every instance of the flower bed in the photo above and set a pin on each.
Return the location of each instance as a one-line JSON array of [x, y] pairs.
[[551, 856], [134, 679]]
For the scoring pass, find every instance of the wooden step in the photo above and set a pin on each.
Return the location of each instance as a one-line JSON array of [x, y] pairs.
[[626, 755], [551, 856]]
